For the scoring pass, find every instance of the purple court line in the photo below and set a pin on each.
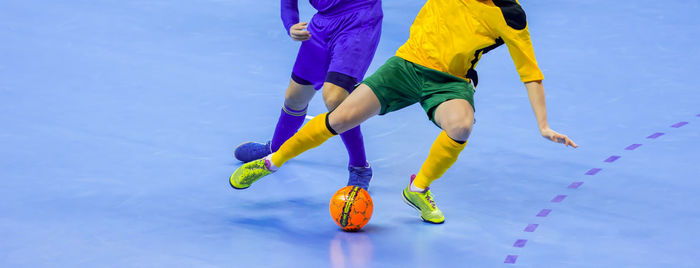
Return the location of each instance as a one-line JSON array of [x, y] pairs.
[[633, 146], [655, 135], [531, 227], [520, 243], [612, 158], [558, 198], [575, 185], [593, 171], [679, 124]]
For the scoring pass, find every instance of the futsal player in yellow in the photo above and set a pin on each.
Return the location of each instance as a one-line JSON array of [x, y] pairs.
[[435, 67]]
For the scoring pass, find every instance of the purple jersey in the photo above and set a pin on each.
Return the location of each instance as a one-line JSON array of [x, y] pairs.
[[290, 8]]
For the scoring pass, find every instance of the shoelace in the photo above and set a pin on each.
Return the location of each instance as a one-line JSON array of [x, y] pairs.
[[430, 200]]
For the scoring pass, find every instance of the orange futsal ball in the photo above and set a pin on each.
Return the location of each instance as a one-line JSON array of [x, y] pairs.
[[351, 207]]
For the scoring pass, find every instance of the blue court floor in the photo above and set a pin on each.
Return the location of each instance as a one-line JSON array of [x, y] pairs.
[[118, 121]]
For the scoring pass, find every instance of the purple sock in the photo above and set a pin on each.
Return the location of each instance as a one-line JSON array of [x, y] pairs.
[[290, 121], [356, 147]]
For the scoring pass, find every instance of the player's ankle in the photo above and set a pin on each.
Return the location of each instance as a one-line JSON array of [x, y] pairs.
[[269, 165], [414, 188], [365, 165]]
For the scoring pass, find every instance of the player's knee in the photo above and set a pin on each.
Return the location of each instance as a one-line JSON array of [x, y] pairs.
[[296, 101], [297, 96], [333, 95], [458, 128], [295, 104], [332, 101]]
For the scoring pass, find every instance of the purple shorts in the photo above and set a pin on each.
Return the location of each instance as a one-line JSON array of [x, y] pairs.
[[340, 49]]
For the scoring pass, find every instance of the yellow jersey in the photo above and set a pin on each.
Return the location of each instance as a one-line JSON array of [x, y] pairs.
[[452, 35]]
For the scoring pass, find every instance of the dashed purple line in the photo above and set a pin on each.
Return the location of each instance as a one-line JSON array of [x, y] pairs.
[[531, 227], [520, 243], [612, 158], [679, 124], [655, 135], [544, 212], [558, 198], [593, 171], [575, 185], [633, 146], [511, 259]]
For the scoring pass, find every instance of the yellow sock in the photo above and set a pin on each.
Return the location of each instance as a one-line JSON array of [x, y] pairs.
[[311, 135], [443, 154]]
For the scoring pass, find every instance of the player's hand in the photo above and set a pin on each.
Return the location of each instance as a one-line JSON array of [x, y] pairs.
[[554, 136], [298, 32]]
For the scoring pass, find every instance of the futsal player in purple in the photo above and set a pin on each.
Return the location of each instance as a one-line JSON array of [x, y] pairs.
[[337, 47]]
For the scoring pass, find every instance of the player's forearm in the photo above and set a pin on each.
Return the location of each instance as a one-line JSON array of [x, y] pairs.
[[535, 91], [290, 13]]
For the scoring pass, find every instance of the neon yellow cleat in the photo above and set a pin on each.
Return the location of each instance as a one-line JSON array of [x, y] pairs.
[[249, 173], [423, 202]]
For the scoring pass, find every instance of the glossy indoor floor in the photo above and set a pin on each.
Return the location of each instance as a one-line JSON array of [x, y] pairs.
[[118, 120]]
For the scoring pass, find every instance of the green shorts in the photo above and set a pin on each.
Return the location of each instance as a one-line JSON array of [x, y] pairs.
[[399, 83]]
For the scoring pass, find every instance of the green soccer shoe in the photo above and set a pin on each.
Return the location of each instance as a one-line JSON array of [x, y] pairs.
[[423, 202], [249, 173]]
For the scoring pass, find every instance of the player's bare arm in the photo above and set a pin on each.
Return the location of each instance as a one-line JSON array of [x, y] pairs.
[[535, 91]]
